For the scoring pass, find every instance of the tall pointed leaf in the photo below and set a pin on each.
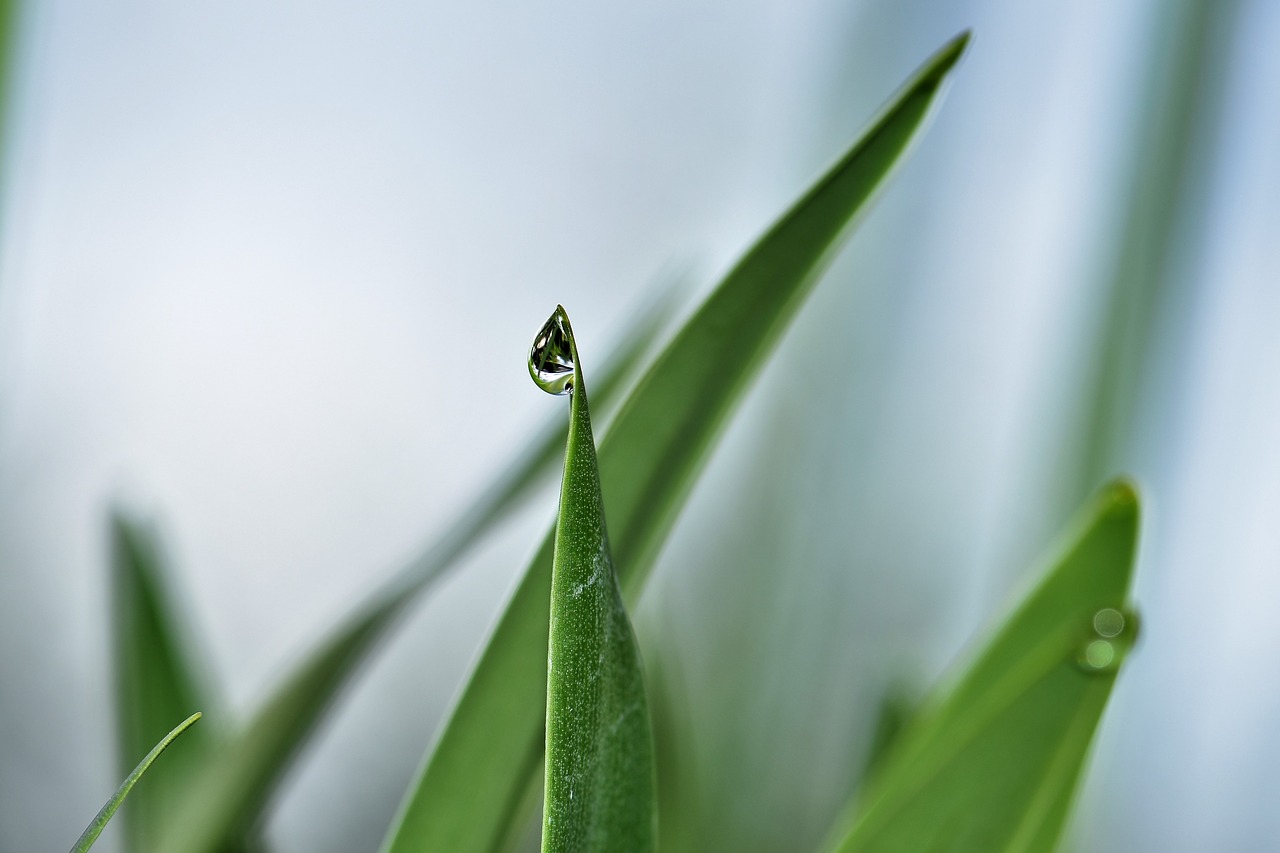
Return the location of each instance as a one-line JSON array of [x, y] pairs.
[[236, 788], [994, 764], [108, 810], [599, 747], [156, 678], [474, 779]]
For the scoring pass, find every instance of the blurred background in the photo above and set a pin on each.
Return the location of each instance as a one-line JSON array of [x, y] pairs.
[[269, 273]]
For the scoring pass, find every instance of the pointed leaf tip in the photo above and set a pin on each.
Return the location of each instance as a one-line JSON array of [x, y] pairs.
[[108, 810], [1124, 494], [947, 56]]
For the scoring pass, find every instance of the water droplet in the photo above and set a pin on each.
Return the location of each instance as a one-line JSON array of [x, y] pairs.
[[551, 358], [1099, 654], [1110, 636], [1108, 622]]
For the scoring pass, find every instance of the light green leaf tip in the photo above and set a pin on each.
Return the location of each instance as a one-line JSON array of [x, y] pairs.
[[94, 829], [599, 746], [470, 789], [993, 764]]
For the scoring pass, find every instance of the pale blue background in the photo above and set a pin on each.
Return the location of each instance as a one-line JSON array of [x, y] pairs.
[[270, 271]]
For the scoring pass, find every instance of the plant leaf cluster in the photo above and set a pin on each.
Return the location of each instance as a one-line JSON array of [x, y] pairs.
[[558, 698]]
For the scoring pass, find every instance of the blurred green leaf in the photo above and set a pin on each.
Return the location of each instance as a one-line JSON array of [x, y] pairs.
[[897, 706], [599, 746], [681, 818], [235, 789], [8, 41], [94, 829], [994, 763], [1161, 198], [470, 788], [156, 677]]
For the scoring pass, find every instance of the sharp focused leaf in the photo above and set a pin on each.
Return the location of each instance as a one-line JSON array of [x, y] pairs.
[[156, 679], [236, 788], [599, 746], [994, 764], [94, 829], [472, 784]]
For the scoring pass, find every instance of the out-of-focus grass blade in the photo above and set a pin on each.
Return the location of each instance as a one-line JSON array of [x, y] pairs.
[[681, 822], [471, 785], [8, 39], [599, 746], [994, 764], [8, 33], [895, 711], [1162, 194], [94, 829], [236, 787], [156, 679]]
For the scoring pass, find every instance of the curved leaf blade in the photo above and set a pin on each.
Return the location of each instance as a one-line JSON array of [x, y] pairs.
[[994, 764], [471, 786], [237, 786], [94, 829], [599, 746]]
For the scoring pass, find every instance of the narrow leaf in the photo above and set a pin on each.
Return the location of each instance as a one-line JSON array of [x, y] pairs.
[[599, 746], [993, 765], [236, 789], [470, 788], [157, 678], [1160, 196], [94, 829]]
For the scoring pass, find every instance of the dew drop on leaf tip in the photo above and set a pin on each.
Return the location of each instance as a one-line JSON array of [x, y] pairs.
[[551, 357]]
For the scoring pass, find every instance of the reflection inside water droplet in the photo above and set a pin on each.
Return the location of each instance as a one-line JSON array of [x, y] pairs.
[[1111, 635], [1098, 655], [551, 358], [1108, 622]]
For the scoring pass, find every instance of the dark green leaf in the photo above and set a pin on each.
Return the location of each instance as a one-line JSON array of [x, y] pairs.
[[156, 677], [599, 747], [473, 782]]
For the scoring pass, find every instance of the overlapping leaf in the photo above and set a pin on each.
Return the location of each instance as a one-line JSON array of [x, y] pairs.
[[108, 810], [235, 789], [469, 791], [156, 678]]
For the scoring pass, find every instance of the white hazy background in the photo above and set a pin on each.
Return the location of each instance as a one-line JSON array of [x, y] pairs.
[[270, 272]]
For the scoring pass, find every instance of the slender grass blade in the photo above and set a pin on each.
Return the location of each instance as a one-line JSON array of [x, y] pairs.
[[599, 745], [469, 790], [236, 788], [94, 829]]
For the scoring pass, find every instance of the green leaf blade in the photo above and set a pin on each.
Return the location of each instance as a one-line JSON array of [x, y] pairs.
[[157, 678], [237, 788], [108, 810], [467, 794], [994, 764], [599, 745], [668, 425]]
